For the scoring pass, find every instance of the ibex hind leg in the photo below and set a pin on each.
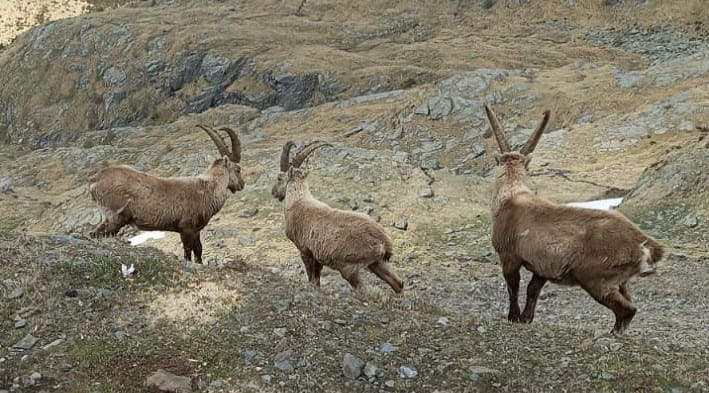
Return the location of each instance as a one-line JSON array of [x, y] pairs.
[[383, 271], [351, 274], [534, 288], [623, 309]]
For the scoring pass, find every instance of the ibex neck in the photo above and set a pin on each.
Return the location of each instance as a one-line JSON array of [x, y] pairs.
[[505, 188], [296, 190]]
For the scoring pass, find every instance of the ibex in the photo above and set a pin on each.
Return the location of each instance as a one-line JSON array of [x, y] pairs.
[[596, 249], [343, 240], [176, 204]]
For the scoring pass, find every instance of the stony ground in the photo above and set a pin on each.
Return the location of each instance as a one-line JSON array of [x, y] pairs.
[[399, 92]]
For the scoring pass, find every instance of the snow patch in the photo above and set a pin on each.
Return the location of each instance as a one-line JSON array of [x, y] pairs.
[[142, 237], [601, 204]]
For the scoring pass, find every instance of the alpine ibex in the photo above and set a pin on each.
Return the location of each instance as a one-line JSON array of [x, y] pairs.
[[343, 240], [596, 249], [176, 204]]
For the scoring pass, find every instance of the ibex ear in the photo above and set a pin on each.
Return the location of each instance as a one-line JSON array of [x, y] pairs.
[[227, 162], [496, 156], [290, 171], [527, 160]]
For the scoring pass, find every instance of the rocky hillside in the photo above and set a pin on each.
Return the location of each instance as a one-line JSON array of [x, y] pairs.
[[398, 88]]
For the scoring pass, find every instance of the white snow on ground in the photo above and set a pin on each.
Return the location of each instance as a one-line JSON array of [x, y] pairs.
[[142, 237], [601, 204]]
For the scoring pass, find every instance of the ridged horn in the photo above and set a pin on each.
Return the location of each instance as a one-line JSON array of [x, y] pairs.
[[497, 130], [235, 144], [536, 135], [285, 156], [306, 151], [216, 139]]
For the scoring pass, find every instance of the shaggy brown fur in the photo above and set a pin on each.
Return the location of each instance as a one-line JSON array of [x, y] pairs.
[[343, 240], [176, 204], [595, 249]]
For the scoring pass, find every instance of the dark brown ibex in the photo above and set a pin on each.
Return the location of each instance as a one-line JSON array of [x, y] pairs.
[[596, 249], [343, 240], [176, 204]]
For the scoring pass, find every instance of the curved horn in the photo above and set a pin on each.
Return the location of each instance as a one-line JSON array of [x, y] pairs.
[[285, 156], [497, 130], [235, 144], [305, 152], [536, 135], [217, 140]]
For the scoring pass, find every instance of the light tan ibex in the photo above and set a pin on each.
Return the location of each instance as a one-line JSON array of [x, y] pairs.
[[343, 240], [596, 249], [176, 204]]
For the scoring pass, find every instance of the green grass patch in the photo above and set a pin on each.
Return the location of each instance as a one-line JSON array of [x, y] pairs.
[[105, 272], [9, 225]]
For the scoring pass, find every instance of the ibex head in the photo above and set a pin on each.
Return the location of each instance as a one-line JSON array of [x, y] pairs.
[[515, 160], [291, 169], [230, 159]]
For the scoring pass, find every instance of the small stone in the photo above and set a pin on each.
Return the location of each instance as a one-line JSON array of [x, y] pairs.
[[71, 293], [426, 192], [280, 332], [389, 383], [616, 346], [340, 321], [370, 370], [103, 292], [351, 366], [282, 305], [53, 344], [36, 376], [691, 221], [282, 363], [486, 4], [168, 382], [401, 224], [248, 213], [27, 342], [430, 163], [607, 376], [20, 324], [119, 335], [443, 321], [387, 347], [481, 370], [422, 109], [285, 366], [248, 356], [26, 380], [439, 107], [368, 199], [16, 293], [481, 329], [216, 384], [266, 378], [407, 372]]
